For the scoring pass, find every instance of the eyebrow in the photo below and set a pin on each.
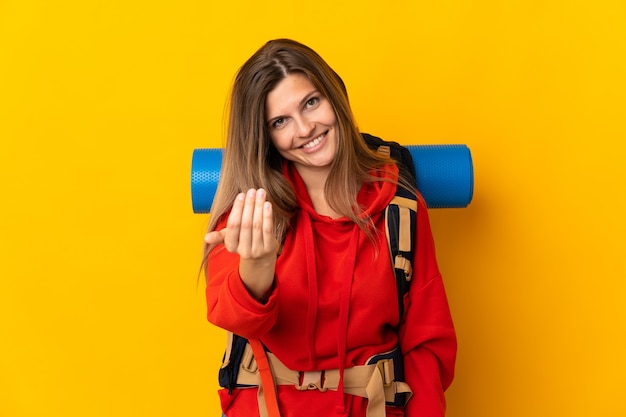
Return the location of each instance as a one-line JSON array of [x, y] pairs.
[[304, 100]]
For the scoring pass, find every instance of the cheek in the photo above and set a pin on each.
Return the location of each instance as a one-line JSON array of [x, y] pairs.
[[280, 140], [329, 115]]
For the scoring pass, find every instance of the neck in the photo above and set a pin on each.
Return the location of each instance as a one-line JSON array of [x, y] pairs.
[[315, 181], [314, 177]]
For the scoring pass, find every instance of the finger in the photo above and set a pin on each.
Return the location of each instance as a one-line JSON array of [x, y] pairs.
[[269, 240], [257, 223], [233, 225], [247, 219]]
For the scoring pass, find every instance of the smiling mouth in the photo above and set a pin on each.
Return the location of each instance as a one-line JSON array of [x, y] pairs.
[[315, 141]]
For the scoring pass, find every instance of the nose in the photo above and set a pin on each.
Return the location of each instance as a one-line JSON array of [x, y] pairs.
[[304, 127]]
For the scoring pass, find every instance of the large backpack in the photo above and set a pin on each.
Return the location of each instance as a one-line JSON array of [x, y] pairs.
[[401, 222]]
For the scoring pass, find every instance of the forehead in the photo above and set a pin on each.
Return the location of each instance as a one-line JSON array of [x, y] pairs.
[[288, 94]]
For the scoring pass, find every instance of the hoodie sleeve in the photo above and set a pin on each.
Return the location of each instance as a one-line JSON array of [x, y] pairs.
[[427, 336], [229, 304]]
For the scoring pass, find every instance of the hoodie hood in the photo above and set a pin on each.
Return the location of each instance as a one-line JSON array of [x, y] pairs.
[[373, 197]]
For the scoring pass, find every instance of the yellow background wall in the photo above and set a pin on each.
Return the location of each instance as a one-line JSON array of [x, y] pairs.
[[102, 103]]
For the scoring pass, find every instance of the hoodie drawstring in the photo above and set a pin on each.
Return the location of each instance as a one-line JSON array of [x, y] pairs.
[[311, 269], [344, 313]]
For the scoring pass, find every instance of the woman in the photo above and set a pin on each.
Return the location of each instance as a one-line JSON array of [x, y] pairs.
[[297, 256]]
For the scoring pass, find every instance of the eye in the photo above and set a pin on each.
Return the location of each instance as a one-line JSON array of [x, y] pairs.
[[312, 102], [278, 122]]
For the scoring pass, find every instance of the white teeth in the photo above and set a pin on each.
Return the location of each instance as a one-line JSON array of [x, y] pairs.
[[314, 142]]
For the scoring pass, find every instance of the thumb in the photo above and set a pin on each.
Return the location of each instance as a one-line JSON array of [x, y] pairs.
[[215, 237]]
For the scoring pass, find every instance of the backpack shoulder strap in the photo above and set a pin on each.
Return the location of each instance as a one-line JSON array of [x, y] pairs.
[[401, 221], [400, 216]]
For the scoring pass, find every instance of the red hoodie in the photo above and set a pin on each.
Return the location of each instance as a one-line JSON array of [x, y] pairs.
[[334, 305]]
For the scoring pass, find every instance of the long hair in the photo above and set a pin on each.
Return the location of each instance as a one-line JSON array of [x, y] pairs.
[[252, 161]]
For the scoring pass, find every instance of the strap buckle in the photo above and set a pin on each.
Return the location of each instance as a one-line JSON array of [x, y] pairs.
[[405, 265], [312, 380], [248, 363], [385, 367]]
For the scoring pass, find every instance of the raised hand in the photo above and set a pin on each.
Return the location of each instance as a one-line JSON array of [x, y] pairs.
[[249, 233]]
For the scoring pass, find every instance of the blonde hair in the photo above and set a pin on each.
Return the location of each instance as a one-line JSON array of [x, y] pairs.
[[251, 160]]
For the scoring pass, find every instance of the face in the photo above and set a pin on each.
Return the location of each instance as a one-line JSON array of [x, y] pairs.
[[302, 123]]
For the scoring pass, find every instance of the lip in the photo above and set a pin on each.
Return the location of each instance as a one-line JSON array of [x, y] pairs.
[[322, 140]]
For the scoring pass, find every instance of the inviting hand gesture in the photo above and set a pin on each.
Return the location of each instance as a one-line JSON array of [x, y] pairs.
[[249, 232]]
